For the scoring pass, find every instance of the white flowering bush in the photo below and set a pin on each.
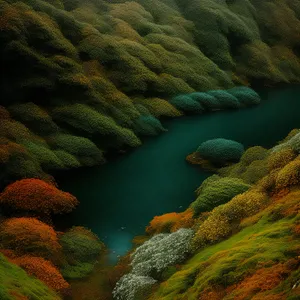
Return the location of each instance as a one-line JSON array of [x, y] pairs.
[[161, 251], [132, 286], [149, 260]]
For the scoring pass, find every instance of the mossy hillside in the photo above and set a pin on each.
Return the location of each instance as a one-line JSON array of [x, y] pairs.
[[16, 284], [232, 261], [93, 70], [249, 246]]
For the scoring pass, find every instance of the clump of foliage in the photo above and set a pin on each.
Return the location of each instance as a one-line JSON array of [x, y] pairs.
[[81, 249], [150, 260], [170, 222], [29, 236], [221, 150], [44, 270], [218, 192], [37, 196]]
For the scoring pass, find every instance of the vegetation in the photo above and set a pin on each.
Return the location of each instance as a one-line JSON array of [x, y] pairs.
[[85, 78], [82, 79], [17, 284], [82, 248], [225, 262], [221, 151]]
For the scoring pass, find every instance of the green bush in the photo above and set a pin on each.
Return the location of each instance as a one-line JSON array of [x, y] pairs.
[[81, 248], [148, 125], [225, 99], [221, 150], [42, 154], [34, 117], [217, 192], [186, 104], [83, 149], [209, 102], [245, 95]]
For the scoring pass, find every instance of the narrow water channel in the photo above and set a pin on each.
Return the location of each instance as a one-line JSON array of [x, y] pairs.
[[119, 199]]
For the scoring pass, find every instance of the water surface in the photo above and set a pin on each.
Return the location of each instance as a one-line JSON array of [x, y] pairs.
[[119, 199]]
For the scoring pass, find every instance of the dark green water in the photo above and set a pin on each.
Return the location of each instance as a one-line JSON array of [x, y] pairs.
[[119, 199]]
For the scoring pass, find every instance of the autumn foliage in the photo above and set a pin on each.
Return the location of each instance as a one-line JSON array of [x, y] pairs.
[[43, 270], [29, 236], [38, 196], [170, 222]]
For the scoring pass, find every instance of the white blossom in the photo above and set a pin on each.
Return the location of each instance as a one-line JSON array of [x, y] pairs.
[[161, 251], [153, 257], [132, 286]]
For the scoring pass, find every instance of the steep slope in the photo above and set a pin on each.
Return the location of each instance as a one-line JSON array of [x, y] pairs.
[[245, 246], [83, 78]]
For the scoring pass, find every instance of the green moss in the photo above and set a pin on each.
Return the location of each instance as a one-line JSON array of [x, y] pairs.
[[217, 192], [226, 263], [15, 282]]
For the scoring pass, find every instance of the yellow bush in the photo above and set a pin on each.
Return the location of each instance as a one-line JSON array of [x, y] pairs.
[[278, 160], [289, 175]]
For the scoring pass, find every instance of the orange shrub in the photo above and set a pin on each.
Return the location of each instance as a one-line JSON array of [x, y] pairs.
[[171, 222], [43, 270], [29, 236], [162, 223], [37, 195]]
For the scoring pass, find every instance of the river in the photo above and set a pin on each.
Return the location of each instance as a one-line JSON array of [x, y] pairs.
[[119, 199]]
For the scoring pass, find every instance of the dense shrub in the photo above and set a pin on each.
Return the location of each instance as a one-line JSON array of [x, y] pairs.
[[245, 95], [221, 150], [209, 102], [187, 104], [289, 175], [255, 171], [29, 236], [43, 270], [148, 125], [222, 219], [37, 195], [81, 248], [34, 117], [161, 251], [225, 99], [218, 192], [150, 260], [252, 154], [82, 148], [44, 156], [293, 143], [132, 286], [170, 222], [280, 158]]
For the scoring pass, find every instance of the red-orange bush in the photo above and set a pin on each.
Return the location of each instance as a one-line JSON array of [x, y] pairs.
[[42, 269], [29, 236], [37, 195], [170, 222]]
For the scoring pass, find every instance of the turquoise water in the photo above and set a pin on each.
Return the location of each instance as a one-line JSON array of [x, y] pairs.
[[119, 199]]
